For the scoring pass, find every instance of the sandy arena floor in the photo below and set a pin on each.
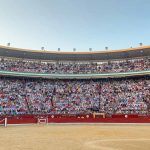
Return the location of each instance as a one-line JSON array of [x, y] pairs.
[[75, 137]]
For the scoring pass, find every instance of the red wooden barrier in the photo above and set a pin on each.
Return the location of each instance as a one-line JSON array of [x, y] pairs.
[[26, 119]]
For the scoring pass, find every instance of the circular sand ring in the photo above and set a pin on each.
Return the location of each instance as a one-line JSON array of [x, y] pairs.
[[97, 144]]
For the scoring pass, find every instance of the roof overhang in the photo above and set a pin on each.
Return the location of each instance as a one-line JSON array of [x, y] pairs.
[[142, 51]]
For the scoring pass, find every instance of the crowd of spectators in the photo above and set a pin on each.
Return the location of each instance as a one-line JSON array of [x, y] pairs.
[[34, 96], [19, 65]]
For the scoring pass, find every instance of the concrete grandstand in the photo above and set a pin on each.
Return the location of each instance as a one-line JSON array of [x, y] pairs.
[[71, 86]]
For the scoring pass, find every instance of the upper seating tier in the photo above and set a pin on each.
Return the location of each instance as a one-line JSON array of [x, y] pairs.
[[75, 56]]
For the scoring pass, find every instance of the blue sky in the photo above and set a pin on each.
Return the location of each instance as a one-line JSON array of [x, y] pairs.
[[79, 24]]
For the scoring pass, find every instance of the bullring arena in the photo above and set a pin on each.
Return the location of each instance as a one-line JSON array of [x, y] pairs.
[[74, 101], [76, 137]]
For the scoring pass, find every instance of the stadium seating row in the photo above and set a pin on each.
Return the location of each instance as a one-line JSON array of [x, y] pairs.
[[19, 65], [37, 96]]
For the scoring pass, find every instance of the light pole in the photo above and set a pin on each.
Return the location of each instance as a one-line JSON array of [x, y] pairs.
[[106, 48], [8, 44], [90, 49]]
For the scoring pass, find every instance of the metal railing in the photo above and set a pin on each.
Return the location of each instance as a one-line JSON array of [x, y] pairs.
[[75, 76]]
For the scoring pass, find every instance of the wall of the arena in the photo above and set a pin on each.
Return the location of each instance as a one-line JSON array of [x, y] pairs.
[[28, 119]]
